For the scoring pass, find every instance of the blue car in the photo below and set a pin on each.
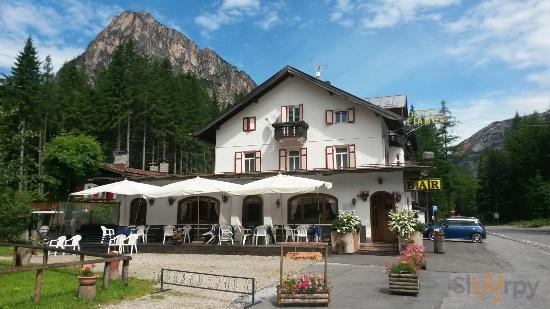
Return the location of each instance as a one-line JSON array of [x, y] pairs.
[[459, 227]]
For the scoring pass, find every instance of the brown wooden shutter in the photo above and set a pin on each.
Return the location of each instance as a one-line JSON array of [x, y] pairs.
[[258, 161], [351, 115], [329, 116], [282, 159], [284, 113], [252, 123], [329, 157], [351, 153], [303, 158], [245, 124], [301, 112], [238, 162]]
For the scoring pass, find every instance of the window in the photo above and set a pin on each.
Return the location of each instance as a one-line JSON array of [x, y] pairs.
[[341, 157], [312, 209], [249, 124], [293, 160], [249, 159], [138, 212], [341, 116], [207, 212], [293, 113]]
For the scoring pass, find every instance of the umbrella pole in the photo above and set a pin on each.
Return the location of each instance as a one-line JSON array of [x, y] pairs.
[[198, 216]]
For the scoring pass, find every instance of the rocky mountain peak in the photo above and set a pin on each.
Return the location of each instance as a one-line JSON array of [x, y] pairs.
[[155, 39]]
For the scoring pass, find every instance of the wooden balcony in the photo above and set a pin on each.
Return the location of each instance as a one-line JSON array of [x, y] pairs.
[[290, 130]]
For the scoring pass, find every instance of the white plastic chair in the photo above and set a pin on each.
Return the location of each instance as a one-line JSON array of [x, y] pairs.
[[168, 232], [106, 232], [290, 232], [301, 232], [58, 243], [140, 232], [186, 229], [225, 234], [239, 229], [131, 241], [146, 233], [211, 234], [116, 242], [74, 242], [261, 231]]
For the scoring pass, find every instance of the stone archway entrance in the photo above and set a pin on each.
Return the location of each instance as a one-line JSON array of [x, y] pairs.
[[381, 203]]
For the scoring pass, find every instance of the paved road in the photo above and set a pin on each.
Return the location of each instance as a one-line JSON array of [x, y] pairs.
[[456, 279], [536, 235]]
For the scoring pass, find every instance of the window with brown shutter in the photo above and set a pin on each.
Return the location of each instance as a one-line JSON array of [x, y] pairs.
[[258, 163], [351, 115], [303, 158], [284, 113], [329, 157], [249, 124], [301, 112], [238, 162], [282, 159], [351, 153], [329, 116]]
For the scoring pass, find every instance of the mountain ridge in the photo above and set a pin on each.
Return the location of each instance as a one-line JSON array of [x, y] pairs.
[[154, 39]]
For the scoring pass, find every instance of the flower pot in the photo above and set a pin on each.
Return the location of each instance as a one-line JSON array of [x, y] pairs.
[[404, 284], [87, 287], [23, 256], [356, 241], [416, 237], [344, 242], [299, 298]]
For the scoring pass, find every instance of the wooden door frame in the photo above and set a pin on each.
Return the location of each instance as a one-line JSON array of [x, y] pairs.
[[377, 197]]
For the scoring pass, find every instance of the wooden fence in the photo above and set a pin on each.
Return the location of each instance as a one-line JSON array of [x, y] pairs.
[[39, 268]]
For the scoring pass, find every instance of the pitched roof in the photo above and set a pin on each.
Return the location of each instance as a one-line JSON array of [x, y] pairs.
[[126, 171], [208, 132]]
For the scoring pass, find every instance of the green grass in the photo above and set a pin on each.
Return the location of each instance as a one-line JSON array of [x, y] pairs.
[[6, 251], [531, 223], [59, 290]]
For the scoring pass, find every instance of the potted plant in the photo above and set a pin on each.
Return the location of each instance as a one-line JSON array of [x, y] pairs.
[[87, 282], [419, 230], [403, 274], [303, 289], [345, 232], [113, 267], [402, 222]]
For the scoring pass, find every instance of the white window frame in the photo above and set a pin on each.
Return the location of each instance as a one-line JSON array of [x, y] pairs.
[[341, 157], [338, 116], [295, 158], [249, 162], [293, 110]]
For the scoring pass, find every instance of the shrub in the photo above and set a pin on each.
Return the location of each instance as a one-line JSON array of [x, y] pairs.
[[402, 222], [413, 255], [399, 268], [15, 213], [346, 222]]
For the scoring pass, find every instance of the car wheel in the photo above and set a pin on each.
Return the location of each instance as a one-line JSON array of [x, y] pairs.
[[476, 237], [431, 235]]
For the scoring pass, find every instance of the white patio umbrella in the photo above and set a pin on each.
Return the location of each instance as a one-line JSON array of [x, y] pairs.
[[124, 187], [282, 184], [194, 186]]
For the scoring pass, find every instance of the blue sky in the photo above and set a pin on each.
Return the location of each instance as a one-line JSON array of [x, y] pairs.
[[487, 59]]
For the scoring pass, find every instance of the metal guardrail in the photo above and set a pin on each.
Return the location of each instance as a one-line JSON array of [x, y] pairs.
[[207, 281]]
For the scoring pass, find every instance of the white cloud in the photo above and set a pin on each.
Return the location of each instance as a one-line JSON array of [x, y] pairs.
[[516, 32], [474, 115], [233, 11], [53, 27], [378, 14]]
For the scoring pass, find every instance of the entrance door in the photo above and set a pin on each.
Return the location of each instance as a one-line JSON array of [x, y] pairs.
[[253, 214], [380, 205]]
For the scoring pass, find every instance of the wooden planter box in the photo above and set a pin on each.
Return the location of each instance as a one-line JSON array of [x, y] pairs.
[[404, 284], [303, 299]]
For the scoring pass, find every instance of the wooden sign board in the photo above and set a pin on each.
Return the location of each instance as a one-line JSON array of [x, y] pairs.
[[424, 185], [296, 256]]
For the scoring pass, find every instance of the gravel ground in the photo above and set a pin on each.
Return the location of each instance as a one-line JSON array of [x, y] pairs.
[[147, 266]]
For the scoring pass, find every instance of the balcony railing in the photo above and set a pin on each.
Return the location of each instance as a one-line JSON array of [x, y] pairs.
[[395, 140], [290, 130]]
